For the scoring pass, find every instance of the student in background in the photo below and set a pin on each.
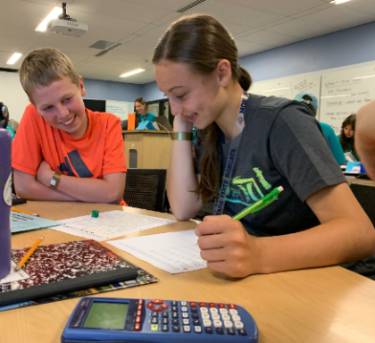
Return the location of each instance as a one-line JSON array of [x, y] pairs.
[[328, 132], [365, 137], [250, 145], [62, 150], [5, 122], [145, 120], [346, 138]]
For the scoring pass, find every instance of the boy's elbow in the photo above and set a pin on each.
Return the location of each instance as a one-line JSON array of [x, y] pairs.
[[114, 197], [23, 190]]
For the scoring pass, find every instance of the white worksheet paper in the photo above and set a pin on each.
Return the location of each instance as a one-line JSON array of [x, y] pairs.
[[174, 252], [110, 224]]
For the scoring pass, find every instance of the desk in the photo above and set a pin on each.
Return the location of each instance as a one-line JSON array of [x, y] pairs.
[[358, 181], [317, 305], [147, 149]]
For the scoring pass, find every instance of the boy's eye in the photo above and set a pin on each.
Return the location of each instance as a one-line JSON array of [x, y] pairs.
[[48, 108]]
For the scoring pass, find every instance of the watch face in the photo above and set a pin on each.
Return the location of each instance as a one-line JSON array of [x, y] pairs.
[[54, 181]]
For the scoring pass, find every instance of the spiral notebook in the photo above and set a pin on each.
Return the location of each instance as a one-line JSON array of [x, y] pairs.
[[66, 270]]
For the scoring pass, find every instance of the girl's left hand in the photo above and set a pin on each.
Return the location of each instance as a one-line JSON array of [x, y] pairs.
[[227, 247]]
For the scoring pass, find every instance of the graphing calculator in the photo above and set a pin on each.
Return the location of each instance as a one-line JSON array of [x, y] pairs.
[[97, 319]]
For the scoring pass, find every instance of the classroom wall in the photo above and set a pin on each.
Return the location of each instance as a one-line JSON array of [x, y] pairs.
[[342, 48], [97, 89]]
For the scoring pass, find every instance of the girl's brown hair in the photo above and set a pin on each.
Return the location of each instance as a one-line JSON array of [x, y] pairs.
[[201, 42], [347, 143]]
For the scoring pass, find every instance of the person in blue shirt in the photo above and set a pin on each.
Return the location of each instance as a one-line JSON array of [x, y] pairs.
[[328, 132], [144, 120]]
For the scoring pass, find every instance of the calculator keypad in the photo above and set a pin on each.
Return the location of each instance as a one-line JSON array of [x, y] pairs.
[[192, 317]]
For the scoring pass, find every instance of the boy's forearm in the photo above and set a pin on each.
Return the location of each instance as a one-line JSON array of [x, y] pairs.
[[106, 190], [34, 190]]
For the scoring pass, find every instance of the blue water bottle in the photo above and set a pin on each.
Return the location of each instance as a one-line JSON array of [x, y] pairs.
[[5, 202]]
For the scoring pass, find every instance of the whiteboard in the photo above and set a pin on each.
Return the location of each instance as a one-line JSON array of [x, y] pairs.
[[12, 94], [289, 87], [344, 91], [119, 108]]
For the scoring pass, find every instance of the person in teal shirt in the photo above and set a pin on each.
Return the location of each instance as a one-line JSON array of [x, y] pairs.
[[328, 132], [333, 142], [144, 120]]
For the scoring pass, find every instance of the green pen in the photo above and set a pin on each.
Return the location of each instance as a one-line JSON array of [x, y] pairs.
[[268, 199]]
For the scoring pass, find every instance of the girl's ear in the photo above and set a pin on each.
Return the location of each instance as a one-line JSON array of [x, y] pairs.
[[224, 72]]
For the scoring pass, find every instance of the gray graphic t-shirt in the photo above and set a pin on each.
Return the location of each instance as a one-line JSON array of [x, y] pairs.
[[280, 145]]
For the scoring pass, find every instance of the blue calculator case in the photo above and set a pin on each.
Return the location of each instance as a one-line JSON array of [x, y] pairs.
[[97, 319]]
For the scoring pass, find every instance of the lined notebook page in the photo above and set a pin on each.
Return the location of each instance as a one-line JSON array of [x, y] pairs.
[[174, 252]]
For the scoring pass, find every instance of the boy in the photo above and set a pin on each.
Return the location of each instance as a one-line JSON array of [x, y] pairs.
[[62, 150]]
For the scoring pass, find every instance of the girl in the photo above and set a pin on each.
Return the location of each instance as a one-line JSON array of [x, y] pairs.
[[249, 145], [346, 137]]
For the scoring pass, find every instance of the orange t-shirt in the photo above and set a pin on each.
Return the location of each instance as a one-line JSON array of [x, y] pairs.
[[99, 152]]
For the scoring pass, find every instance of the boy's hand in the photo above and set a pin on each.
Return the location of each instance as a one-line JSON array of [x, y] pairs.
[[44, 173], [227, 247]]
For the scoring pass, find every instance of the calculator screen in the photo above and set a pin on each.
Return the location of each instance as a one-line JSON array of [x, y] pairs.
[[105, 315]]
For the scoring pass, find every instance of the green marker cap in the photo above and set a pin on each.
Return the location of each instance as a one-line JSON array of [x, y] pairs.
[[94, 213]]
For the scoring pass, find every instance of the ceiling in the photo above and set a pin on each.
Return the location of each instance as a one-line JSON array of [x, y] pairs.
[[256, 25]]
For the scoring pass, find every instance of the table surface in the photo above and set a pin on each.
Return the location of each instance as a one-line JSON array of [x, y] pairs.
[[328, 304]]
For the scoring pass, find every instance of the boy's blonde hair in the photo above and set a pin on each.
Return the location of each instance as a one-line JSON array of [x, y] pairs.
[[41, 67]]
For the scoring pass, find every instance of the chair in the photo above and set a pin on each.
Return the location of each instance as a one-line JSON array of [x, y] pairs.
[[145, 188], [365, 195]]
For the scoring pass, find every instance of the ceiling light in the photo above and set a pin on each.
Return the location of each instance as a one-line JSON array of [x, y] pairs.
[[339, 2], [132, 72], [14, 58], [364, 77], [54, 14]]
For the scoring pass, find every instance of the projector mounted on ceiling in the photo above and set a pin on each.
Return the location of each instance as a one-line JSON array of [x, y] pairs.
[[66, 25]]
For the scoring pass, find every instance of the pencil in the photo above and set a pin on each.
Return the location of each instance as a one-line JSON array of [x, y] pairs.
[[24, 212], [267, 200], [28, 254]]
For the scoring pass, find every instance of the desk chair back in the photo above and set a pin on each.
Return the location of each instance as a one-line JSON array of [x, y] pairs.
[[145, 188], [366, 197]]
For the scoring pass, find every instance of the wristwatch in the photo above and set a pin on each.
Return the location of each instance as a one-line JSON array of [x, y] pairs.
[[55, 179]]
